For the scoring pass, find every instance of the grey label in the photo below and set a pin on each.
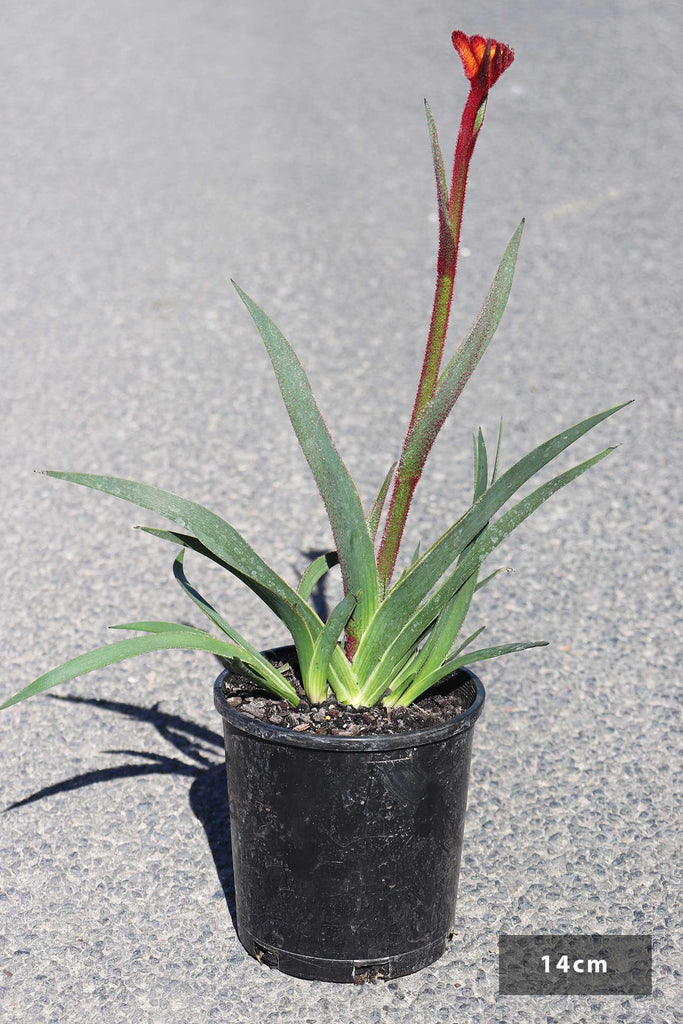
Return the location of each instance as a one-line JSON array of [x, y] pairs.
[[580, 965]]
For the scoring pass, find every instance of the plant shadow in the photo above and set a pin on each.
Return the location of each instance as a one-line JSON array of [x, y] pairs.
[[202, 762]]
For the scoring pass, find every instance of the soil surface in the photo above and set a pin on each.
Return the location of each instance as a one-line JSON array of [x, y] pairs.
[[441, 704]]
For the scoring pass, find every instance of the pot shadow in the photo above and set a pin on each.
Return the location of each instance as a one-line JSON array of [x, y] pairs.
[[208, 789]]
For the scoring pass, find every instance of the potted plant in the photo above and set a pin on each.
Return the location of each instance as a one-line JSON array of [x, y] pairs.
[[348, 751]]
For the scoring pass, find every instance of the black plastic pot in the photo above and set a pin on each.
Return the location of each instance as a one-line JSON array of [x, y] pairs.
[[346, 850]]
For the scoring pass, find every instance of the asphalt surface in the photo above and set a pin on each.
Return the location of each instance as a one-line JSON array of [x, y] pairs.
[[149, 153]]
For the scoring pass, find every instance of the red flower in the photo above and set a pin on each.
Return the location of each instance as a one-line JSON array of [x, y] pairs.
[[484, 60]]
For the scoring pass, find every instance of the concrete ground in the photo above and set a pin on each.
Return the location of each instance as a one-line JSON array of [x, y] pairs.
[[149, 153]]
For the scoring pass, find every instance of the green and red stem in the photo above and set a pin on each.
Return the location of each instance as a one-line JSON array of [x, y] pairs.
[[408, 476]]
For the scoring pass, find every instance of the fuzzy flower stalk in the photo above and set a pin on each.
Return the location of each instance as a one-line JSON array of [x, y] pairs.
[[484, 61]]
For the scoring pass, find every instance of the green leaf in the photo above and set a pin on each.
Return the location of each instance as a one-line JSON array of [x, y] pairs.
[[419, 687], [403, 670], [452, 617], [481, 478], [302, 631], [492, 575], [403, 676], [446, 243], [408, 591], [479, 119], [466, 643], [123, 649], [265, 669], [460, 368], [303, 613], [316, 682], [301, 626], [414, 559], [498, 450], [376, 514], [159, 627], [338, 491], [402, 679], [204, 606], [447, 628], [315, 572], [405, 636], [475, 460], [220, 542], [342, 678]]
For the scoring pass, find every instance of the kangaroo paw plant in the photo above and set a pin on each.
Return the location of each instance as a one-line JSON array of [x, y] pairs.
[[387, 640], [346, 846]]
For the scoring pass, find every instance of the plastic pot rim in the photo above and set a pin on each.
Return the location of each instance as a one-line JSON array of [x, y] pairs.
[[282, 734]]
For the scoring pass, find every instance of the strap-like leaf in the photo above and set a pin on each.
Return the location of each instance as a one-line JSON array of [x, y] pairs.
[[453, 614], [376, 514], [219, 541], [302, 622], [337, 489], [462, 365], [316, 682], [156, 626], [425, 683], [465, 643], [123, 649], [403, 671], [214, 533], [489, 539], [402, 679], [343, 676], [446, 243], [342, 672], [494, 475], [408, 591], [481, 472], [414, 559], [492, 575], [314, 572], [447, 628], [204, 606], [265, 669]]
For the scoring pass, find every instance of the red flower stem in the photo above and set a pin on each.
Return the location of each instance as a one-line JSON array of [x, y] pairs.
[[407, 477]]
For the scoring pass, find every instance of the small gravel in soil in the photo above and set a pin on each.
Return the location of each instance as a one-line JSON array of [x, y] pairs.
[[334, 719]]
